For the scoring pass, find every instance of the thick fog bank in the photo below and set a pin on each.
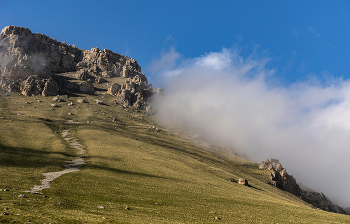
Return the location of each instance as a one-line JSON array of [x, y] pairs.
[[237, 102]]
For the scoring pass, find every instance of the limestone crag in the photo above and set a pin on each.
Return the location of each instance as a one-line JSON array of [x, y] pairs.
[[319, 200], [281, 179], [134, 92], [35, 64], [279, 176], [33, 85]]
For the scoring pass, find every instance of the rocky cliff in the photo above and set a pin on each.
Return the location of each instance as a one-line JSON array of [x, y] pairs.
[[281, 179], [33, 63]]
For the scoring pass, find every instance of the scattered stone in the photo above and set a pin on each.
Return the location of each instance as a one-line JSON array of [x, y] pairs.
[[6, 190], [57, 99], [99, 102], [127, 208], [70, 114], [19, 114], [71, 104], [5, 213], [218, 218], [5, 209], [81, 101], [101, 207], [212, 212], [104, 218], [21, 196], [54, 105]]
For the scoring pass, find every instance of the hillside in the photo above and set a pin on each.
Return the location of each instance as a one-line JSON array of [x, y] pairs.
[[131, 170], [160, 175]]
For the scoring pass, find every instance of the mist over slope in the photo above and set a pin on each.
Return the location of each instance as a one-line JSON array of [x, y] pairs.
[[237, 102]]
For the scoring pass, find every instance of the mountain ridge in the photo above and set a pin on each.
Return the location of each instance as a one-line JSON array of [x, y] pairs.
[[27, 66]]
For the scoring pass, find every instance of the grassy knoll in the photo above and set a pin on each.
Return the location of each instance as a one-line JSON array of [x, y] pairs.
[[161, 176]]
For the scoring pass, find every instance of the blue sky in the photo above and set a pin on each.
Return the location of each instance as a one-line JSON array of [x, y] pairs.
[[301, 39], [268, 78]]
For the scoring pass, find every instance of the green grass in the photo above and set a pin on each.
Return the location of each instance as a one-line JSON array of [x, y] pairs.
[[161, 176]]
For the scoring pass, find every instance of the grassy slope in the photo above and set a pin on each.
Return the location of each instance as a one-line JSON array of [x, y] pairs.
[[161, 176]]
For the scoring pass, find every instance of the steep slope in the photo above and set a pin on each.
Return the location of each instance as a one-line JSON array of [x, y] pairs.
[[160, 176]]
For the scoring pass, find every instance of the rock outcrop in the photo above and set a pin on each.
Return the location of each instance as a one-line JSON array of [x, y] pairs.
[[281, 179], [319, 200], [35, 64], [134, 92], [279, 176]]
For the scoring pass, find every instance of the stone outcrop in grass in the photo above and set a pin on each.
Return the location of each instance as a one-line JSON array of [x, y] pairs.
[[319, 200], [279, 176], [281, 179], [243, 181]]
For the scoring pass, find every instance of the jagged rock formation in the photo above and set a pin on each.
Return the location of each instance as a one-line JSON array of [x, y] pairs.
[[319, 200], [35, 64], [281, 179], [134, 92], [279, 176]]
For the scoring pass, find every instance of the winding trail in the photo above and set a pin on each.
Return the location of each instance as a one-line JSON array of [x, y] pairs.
[[72, 166]]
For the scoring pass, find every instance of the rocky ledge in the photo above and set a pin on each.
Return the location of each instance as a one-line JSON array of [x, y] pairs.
[[33, 63], [281, 179]]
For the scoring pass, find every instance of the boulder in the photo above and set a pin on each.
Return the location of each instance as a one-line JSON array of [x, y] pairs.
[[57, 99], [243, 181]]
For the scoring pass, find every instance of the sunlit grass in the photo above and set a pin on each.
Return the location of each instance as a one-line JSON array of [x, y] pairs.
[[162, 177]]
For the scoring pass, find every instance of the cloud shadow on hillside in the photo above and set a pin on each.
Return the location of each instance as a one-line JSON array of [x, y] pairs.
[[31, 158]]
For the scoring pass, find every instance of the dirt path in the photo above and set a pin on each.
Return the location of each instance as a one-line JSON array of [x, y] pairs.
[[72, 166]]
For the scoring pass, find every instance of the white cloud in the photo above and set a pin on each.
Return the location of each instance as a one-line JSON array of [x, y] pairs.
[[230, 101], [165, 63]]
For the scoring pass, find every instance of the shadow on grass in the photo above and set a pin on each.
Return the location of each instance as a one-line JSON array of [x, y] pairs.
[[31, 158], [119, 171]]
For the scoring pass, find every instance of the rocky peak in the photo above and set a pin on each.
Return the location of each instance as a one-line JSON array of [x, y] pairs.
[[35, 64]]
